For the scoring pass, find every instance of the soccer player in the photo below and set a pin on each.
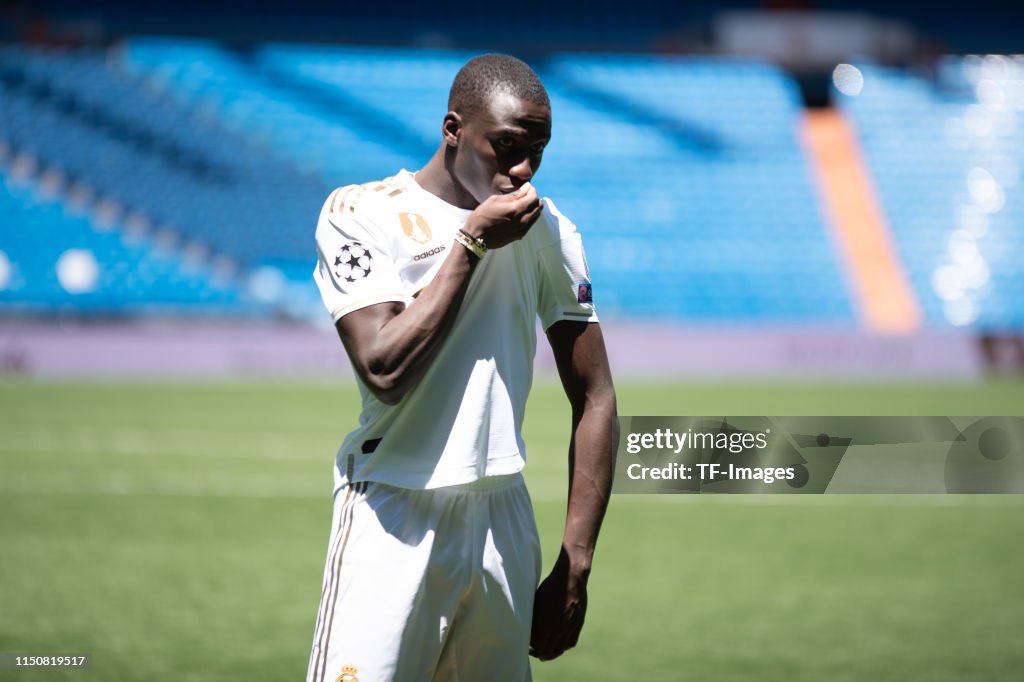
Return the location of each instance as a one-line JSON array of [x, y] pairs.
[[435, 280]]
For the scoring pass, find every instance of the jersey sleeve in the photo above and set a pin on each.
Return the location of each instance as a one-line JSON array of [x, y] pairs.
[[354, 269], [565, 291]]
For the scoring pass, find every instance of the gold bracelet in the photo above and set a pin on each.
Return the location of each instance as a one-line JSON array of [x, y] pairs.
[[474, 247]]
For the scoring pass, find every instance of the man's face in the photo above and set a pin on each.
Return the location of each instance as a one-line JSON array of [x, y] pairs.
[[501, 145]]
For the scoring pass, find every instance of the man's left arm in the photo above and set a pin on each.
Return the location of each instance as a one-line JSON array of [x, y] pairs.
[[561, 600]]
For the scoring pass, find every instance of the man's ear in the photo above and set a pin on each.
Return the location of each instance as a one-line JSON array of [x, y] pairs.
[[451, 129]]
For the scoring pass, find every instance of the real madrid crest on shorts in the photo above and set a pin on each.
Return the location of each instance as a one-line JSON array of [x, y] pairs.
[[352, 262], [348, 674]]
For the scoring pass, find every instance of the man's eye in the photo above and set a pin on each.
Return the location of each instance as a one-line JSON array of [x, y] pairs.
[[539, 147], [506, 142]]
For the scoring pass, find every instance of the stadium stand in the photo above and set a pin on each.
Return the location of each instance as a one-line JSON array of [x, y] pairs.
[[685, 174], [54, 258], [696, 217], [313, 134], [78, 112], [716, 203], [945, 156]]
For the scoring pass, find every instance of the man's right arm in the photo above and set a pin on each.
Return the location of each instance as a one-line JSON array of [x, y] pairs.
[[391, 345]]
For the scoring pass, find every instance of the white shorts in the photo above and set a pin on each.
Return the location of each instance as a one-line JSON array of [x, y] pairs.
[[428, 584]]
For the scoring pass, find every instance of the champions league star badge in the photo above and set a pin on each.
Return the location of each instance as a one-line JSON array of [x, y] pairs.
[[352, 262]]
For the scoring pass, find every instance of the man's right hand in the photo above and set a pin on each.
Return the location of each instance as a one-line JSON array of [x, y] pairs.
[[504, 218]]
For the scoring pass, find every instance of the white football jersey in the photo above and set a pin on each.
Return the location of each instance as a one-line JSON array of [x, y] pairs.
[[384, 241]]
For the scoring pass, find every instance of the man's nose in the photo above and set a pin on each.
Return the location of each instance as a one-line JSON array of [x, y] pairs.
[[522, 171]]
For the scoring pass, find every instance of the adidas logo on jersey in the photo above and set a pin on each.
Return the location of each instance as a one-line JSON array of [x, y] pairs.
[[427, 254]]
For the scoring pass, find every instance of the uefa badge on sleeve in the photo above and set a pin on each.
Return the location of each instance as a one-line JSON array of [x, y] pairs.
[[352, 262], [584, 293]]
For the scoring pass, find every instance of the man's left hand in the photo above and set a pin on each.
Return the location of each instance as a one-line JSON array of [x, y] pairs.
[[558, 611]]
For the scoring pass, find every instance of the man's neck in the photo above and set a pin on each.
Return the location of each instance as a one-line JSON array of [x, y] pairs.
[[437, 178]]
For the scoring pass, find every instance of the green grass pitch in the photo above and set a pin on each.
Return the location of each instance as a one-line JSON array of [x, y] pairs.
[[177, 532]]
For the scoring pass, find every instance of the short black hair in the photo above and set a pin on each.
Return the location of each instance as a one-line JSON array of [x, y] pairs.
[[484, 76]]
